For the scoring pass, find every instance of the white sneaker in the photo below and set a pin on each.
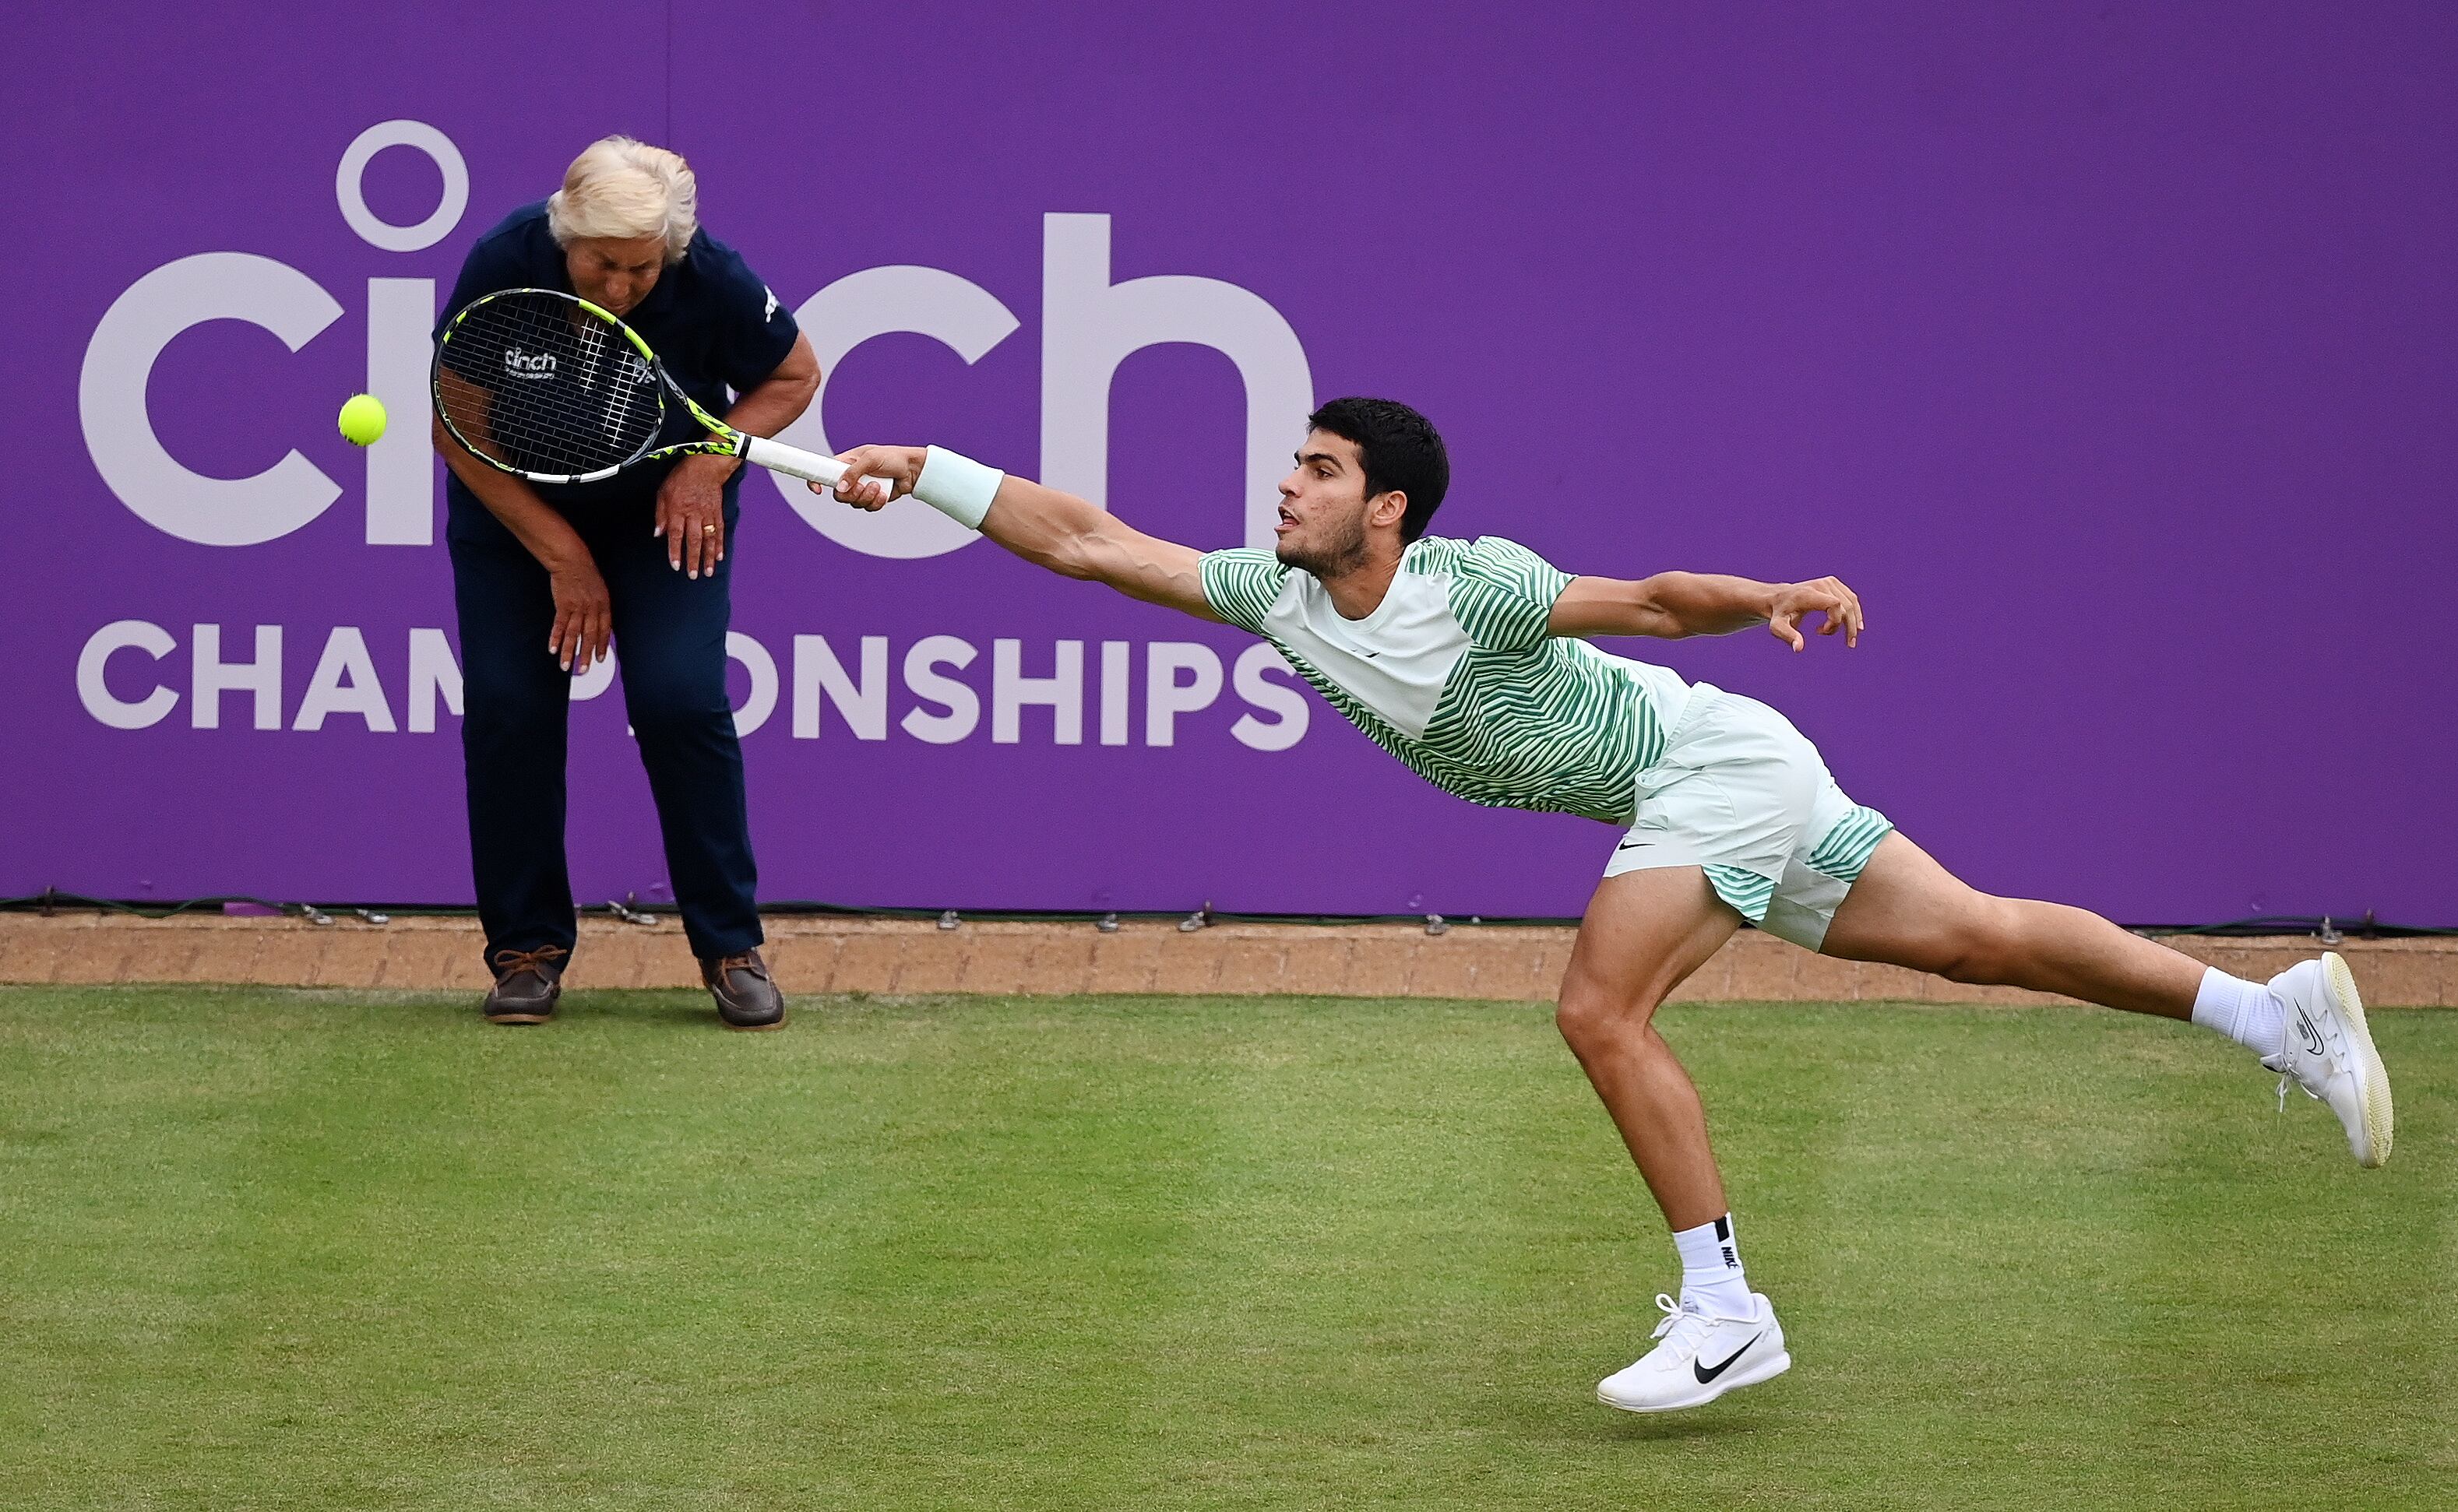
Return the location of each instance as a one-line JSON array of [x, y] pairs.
[[1703, 1357], [2329, 1053]]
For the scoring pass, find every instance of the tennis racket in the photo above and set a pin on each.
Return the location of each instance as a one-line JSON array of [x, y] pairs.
[[553, 388]]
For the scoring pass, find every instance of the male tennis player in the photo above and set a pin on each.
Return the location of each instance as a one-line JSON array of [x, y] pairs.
[[1465, 660], [545, 575]]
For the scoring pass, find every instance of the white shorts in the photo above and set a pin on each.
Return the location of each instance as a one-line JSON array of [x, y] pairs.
[[1741, 794]]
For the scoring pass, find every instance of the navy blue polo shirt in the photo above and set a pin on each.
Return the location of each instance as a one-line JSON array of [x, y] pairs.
[[709, 318]]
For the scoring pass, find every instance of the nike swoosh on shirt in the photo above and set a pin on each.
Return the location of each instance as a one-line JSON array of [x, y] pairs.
[[1631, 845], [1700, 1369]]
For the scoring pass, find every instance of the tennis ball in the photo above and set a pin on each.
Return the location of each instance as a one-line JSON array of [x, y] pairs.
[[363, 420]]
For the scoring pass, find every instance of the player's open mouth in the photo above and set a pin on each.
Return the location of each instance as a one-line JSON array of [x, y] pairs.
[[1288, 522]]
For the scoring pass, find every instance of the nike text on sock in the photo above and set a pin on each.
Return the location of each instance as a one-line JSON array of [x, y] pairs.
[[2246, 1012], [1711, 1269]]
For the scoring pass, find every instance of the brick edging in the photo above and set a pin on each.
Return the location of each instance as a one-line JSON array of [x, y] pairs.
[[1511, 962]]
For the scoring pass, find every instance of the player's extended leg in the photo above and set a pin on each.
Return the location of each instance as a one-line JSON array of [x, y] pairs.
[[1643, 934], [1907, 910], [2307, 1022], [1646, 931]]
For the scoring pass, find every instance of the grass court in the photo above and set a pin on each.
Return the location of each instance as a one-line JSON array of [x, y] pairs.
[[292, 1249]]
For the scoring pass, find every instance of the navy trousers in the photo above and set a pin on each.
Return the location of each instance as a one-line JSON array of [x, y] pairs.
[[670, 656]]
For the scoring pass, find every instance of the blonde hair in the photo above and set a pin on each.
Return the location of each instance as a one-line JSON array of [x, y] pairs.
[[623, 188]]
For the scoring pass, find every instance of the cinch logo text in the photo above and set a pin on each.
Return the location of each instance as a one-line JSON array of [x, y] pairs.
[[1090, 323]]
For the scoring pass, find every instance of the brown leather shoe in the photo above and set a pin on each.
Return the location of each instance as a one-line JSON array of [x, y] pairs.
[[527, 983], [746, 997]]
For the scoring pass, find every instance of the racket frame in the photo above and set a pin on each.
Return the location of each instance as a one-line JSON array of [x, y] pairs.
[[724, 439]]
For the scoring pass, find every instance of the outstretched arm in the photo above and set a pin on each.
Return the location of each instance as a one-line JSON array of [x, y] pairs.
[[1053, 529], [1670, 605]]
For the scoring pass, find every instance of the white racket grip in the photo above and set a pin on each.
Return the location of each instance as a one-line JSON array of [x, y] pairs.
[[793, 461]]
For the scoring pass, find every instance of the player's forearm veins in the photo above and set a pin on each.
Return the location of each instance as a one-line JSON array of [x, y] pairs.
[[1072, 537], [1667, 605], [1711, 604]]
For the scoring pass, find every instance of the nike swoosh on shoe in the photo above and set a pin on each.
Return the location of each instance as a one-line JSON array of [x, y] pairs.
[[1699, 1368]]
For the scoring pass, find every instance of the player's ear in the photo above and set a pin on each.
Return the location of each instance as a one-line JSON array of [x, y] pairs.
[[1387, 509]]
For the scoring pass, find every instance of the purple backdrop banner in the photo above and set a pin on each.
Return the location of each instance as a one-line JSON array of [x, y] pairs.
[[2106, 349]]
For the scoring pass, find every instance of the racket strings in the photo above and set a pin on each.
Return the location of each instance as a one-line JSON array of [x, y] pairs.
[[536, 384]]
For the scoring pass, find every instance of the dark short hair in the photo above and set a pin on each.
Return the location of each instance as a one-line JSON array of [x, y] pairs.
[[1401, 449]]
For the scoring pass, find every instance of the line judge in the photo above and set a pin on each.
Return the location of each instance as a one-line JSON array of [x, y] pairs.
[[546, 576]]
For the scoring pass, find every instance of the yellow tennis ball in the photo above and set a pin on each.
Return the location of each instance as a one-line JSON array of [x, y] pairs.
[[363, 420]]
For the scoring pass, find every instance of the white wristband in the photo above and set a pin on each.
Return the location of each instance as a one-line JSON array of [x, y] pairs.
[[957, 486]]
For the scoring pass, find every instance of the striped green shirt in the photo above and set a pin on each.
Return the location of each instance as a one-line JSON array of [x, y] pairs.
[[1455, 673]]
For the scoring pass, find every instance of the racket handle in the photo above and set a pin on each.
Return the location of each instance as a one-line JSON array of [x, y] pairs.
[[794, 462]]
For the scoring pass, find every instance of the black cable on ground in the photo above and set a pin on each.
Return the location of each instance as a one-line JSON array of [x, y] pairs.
[[51, 900]]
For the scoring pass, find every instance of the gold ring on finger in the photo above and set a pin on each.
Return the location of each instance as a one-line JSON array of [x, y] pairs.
[[708, 529]]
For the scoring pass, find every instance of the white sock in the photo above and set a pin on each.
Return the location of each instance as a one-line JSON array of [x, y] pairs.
[[2246, 1012], [1710, 1270]]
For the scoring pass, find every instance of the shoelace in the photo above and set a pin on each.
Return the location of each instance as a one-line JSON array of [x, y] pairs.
[[507, 961], [2287, 1076], [1675, 1315]]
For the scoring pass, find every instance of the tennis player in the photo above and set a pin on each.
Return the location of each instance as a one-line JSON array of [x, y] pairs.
[[1466, 659], [545, 576]]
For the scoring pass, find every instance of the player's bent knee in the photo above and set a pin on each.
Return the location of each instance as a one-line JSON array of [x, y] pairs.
[[1591, 1015]]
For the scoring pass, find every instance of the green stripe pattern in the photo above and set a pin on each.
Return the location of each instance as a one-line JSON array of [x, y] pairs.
[[1744, 889], [1242, 585], [1844, 850], [1527, 721]]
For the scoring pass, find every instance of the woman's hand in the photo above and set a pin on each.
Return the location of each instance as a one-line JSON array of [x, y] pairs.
[[690, 513], [584, 615]]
